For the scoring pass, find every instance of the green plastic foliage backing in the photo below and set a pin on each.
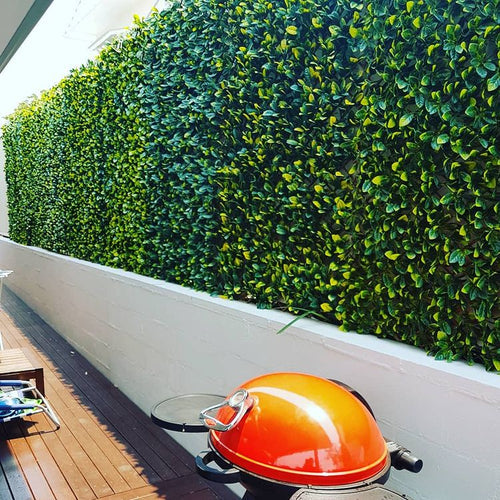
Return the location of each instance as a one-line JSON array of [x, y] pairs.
[[334, 157]]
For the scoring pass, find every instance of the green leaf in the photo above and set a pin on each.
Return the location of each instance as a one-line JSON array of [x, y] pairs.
[[471, 111], [481, 72], [457, 257], [305, 314], [443, 138], [446, 328], [426, 136], [480, 312], [494, 82], [291, 30], [405, 120]]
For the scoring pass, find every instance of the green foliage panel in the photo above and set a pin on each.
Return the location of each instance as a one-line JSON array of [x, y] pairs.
[[334, 157]]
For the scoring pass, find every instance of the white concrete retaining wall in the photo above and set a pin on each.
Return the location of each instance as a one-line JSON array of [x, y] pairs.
[[156, 340]]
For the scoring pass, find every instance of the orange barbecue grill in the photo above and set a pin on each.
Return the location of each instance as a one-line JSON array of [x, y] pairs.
[[293, 435]]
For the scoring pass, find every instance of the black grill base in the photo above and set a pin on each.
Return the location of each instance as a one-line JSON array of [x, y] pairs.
[[262, 489]]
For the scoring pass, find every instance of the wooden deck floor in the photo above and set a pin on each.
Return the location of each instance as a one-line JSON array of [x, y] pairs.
[[106, 448]]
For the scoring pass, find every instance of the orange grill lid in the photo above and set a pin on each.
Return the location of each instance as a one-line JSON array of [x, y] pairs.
[[301, 429]]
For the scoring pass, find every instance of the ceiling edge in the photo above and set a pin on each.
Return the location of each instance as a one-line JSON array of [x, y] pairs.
[[28, 23]]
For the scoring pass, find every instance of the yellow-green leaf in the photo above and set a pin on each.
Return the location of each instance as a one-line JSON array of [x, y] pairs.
[[391, 255], [316, 22], [431, 48], [325, 307], [291, 30]]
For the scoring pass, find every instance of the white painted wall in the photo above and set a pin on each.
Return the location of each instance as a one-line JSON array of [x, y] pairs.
[[155, 340]]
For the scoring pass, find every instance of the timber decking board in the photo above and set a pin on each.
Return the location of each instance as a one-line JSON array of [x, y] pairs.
[[95, 392], [11, 475], [106, 446]]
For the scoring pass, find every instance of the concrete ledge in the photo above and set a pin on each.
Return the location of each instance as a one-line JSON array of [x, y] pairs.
[[155, 340]]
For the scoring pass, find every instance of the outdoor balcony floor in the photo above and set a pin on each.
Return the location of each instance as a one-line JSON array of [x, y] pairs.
[[106, 448]]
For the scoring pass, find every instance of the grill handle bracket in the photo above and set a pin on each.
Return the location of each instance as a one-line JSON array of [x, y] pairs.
[[204, 468], [240, 401]]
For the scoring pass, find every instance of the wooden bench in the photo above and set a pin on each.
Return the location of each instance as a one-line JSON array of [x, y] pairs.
[[15, 365]]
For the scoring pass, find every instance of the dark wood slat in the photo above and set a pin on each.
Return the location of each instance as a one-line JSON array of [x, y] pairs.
[[171, 490], [200, 495], [10, 475], [5, 492]]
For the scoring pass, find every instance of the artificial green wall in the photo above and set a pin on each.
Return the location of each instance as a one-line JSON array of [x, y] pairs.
[[334, 157]]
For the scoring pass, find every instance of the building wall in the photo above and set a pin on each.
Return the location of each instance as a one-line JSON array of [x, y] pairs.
[[155, 340]]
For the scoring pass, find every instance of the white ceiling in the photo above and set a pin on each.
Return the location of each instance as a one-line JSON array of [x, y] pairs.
[[93, 18], [17, 19], [12, 14]]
